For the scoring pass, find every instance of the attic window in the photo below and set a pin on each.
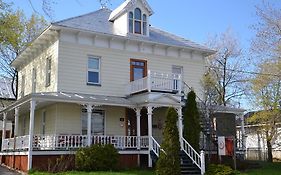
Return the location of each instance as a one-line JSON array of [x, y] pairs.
[[137, 22]]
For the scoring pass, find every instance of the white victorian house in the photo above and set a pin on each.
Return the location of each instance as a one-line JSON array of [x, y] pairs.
[[104, 77]]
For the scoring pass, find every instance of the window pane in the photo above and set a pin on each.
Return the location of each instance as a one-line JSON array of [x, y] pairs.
[[131, 26], [138, 73], [137, 27], [131, 15], [144, 18], [98, 123], [93, 77], [93, 63], [138, 14]]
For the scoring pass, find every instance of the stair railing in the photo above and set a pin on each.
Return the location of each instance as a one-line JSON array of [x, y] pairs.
[[197, 159], [155, 147]]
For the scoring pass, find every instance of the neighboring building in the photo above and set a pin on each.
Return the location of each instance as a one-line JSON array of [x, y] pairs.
[[103, 77], [6, 99], [255, 142]]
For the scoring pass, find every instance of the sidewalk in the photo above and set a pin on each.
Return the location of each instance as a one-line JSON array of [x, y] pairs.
[[6, 171]]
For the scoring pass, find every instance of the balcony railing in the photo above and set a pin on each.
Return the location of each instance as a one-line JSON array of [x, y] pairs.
[[156, 81], [67, 142]]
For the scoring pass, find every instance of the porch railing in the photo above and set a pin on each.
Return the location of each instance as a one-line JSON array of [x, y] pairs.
[[156, 81], [66, 142]]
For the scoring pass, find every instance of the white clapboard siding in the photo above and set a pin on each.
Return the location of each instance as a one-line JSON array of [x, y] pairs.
[[115, 68], [39, 63]]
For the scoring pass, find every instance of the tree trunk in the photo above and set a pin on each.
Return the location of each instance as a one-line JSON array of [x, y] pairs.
[[269, 151]]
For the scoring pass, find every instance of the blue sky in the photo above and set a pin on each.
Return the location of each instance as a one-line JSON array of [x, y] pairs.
[[191, 19]]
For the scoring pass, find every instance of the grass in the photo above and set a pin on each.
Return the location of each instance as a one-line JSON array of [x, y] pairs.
[[267, 169], [132, 172]]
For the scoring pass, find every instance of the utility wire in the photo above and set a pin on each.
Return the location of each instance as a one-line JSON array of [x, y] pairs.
[[246, 72]]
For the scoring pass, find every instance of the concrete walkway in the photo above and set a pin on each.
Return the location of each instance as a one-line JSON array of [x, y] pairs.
[[6, 171]]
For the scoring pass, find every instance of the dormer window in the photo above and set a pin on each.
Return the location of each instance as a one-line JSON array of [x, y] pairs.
[[137, 22]]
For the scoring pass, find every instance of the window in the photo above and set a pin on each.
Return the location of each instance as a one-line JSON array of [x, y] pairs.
[[24, 125], [177, 70], [144, 24], [48, 71], [137, 22], [43, 122], [97, 122], [22, 85], [33, 80], [131, 19], [93, 70]]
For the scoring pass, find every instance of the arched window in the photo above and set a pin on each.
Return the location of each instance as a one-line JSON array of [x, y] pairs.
[[144, 24], [137, 22], [131, 23]]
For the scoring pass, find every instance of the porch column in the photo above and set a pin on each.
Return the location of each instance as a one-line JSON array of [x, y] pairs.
[[4, 129], [149, 121], [180, 126], [138, 126], [31, 128], [16, 129], [89, 124]]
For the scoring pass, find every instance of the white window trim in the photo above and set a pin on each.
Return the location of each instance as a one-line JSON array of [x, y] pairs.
[[94, 70]]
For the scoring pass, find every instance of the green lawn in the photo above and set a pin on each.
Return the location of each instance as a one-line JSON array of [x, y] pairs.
[[267, 169], [135, 172]]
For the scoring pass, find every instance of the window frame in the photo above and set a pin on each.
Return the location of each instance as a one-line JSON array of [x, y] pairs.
[[48, 71], [94, 70], [143, 24]]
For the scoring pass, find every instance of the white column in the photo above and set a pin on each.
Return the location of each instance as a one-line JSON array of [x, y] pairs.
[[4, 128], [180, 127], [16, 129], [203, 166], [31, 128], [149, 121], [148, 81], [89, 124], [138, 126]]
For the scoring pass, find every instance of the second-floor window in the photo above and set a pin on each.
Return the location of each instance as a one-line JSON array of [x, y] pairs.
[[48, 71], [22, 85], [33, 80], [93, 70]]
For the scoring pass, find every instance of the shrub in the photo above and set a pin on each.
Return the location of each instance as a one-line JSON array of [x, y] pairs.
[[220, 170], [169, 161], [96, 158]]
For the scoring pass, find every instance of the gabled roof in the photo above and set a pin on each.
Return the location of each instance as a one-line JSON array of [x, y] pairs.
[[98, 22], [125, 6]]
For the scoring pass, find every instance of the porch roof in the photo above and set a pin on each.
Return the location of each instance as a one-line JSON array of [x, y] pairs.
[[48, 97]]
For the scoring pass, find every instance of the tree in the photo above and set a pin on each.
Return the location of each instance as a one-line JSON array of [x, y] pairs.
[[191, 121], [266, 84], [222, 82], [169, 160], [17, 32], [267, 93]]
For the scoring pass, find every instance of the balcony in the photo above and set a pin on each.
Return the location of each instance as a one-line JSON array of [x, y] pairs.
[[156, 82]]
